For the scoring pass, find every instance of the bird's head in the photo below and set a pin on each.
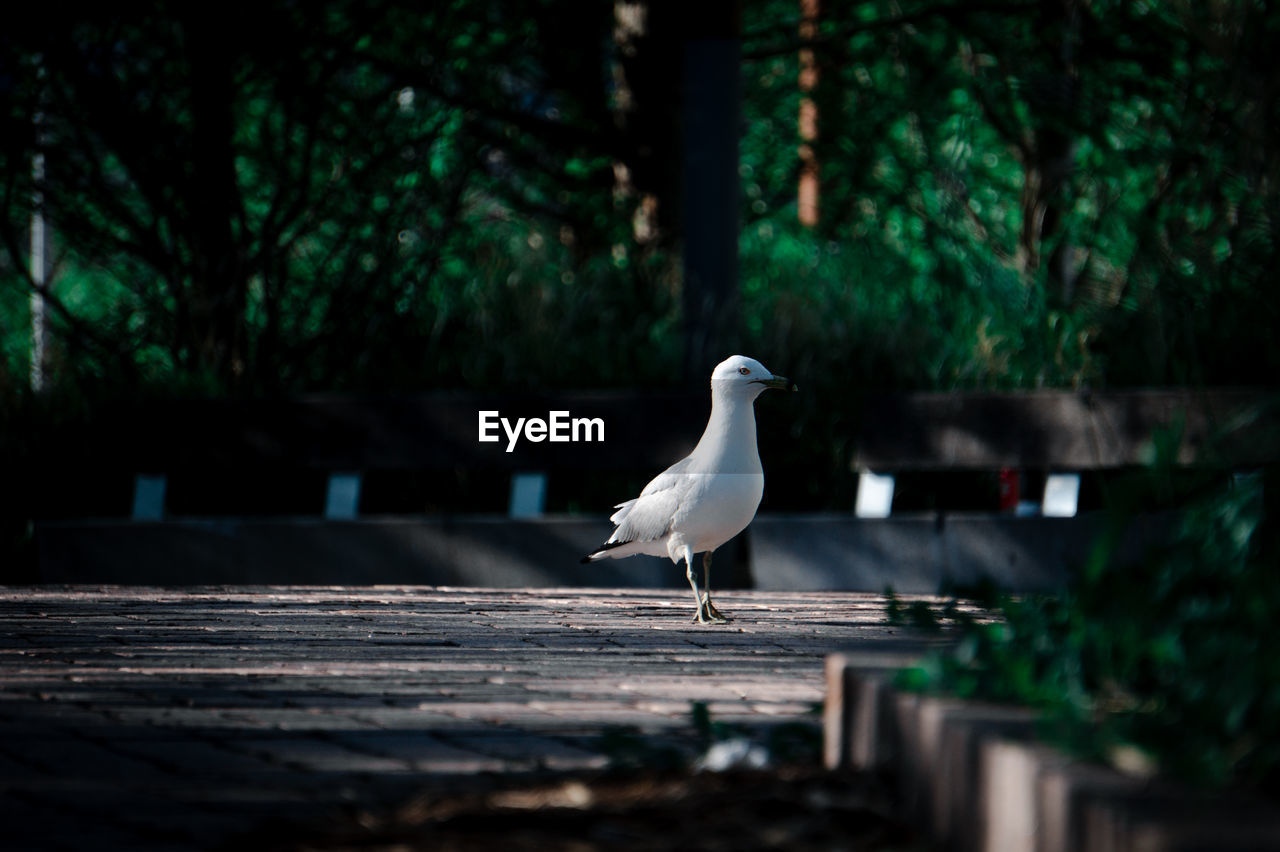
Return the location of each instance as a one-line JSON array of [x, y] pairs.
[[740, 375]]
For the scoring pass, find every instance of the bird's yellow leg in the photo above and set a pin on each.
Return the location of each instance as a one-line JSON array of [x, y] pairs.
[[704, 603], [701, 616]]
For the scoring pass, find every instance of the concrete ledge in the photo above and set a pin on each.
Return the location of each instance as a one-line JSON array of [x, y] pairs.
[[465, 551], [973, 774], [914, 555]]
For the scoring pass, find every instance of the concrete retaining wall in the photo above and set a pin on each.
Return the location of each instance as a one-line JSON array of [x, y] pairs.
[[469, 551], [778, 552], [915, 555], [975, 777]]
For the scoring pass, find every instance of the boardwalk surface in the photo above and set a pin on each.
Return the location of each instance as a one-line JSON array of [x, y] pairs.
[[184, 718]]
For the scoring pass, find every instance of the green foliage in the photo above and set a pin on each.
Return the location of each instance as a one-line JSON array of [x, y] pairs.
[[1170, 664], [411, 197], [374, 196], [1018, 198], [917, 614]]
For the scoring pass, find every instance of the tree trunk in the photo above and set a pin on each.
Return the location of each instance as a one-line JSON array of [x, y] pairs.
[[807, 191], [218, 293], [711, 118], [1053, 98]]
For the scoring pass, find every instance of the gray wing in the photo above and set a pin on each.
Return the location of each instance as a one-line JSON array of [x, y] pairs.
[[648, 517]]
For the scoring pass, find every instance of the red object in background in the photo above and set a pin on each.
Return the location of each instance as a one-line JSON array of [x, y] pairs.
[[1009, 489]]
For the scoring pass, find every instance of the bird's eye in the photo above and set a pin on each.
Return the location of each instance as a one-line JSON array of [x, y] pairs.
[[744, 371]]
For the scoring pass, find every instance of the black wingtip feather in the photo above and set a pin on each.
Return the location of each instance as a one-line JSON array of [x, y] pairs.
[[608, 545]]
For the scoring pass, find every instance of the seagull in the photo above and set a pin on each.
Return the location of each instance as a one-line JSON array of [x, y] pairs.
[[707, 498]]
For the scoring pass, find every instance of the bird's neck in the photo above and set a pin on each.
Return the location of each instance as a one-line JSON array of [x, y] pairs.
[[731, 433]]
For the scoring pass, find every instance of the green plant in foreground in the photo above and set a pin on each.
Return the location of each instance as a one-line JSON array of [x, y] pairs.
[[1169, 665]]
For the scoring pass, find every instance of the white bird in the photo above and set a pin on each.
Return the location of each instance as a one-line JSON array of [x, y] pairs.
[[707, 498]]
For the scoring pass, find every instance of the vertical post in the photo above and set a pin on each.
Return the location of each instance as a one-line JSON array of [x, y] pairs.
[[528, 494], [39, 267], [149, 496], [711, 116], [342, 497], [875, 495], [807, 191], [1061, 495]]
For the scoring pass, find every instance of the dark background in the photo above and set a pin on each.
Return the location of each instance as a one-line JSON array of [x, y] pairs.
[[250, 202]]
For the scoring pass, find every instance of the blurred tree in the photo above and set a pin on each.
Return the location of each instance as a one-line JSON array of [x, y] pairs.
[[258, 208], [1047, 192], [340, 195]]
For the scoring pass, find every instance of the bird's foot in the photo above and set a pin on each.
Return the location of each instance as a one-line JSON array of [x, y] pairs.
[[708, 614]]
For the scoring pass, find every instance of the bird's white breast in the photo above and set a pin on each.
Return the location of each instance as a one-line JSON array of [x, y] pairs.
[[723, 505]]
